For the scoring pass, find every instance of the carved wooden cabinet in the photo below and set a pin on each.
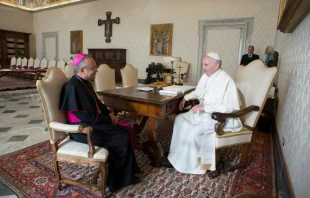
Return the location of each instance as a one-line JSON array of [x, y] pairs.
[[11, 41], [115, 58]]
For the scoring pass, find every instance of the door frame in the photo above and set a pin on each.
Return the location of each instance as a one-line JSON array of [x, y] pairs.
[[245, 24], [46, 35]]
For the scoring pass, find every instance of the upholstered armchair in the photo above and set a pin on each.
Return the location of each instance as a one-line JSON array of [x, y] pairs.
[[69, 70], [253, 82], [63, 148], [129, 76], [105, 78]]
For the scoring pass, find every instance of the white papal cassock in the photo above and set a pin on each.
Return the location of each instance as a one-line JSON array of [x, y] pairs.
[[193, 134]]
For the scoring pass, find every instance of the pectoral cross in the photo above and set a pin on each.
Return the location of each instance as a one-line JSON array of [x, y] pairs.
[[108, 26]]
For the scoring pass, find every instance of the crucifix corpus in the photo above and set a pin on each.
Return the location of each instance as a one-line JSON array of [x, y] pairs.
[[108, 26]]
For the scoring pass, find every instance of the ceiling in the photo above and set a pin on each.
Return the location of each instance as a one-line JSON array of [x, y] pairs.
[[37, 5]]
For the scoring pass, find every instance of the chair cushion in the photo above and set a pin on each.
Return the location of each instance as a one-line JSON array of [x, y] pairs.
[[72, 148], [232, 138]]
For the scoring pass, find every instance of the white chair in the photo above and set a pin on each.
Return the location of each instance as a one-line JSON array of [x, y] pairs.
[[105, 78], [129, 76], [61, 64], [36, 64], [69, 70], [19, 63], [70, 62], [13, 63], [43, 63], [254, 82], [30, 63], [51, 63], [65, 149], [24, 63]]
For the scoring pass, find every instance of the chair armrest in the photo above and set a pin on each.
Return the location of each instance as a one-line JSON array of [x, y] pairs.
[[68, 128], [221, 117]]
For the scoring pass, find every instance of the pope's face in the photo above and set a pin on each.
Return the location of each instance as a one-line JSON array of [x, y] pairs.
[[91, 69], [210, 66]]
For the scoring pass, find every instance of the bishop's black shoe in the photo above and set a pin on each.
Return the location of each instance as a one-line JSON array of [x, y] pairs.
[[135, 180]]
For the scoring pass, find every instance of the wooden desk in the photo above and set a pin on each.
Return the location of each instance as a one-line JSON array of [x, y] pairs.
[[151, 105]]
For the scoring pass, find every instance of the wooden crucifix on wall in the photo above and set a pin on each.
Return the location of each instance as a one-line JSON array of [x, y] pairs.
[[108, 26]]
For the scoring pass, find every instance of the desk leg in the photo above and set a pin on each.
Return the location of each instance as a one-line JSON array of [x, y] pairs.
[[153, 143]]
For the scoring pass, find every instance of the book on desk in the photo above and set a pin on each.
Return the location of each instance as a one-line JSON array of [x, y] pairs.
[[174, 90]]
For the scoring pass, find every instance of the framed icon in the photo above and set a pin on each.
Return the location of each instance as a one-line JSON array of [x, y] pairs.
[[168, 79]]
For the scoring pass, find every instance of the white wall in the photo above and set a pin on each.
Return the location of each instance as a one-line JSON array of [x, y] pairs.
[[17, 20], [136, 16], [293, 116]]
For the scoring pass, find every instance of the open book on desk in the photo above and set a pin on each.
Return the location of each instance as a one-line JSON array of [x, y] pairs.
[[176, 89]]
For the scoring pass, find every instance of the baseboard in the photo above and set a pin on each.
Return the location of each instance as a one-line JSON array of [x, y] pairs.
[[284, 184]]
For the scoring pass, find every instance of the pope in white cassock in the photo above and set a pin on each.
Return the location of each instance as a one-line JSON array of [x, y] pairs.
[[192, 148]]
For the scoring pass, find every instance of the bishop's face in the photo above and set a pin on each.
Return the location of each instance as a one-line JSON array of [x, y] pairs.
[[89, 72], [210, 66]]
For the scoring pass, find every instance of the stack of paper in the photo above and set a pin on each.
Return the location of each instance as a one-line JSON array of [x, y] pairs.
[[175, 90], [144, 89]]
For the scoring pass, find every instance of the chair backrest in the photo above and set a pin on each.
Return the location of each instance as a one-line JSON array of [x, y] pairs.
[[61, 64], [184, 69], [49, 89], [13, 61], [105, 78], [51, 63], [129, 76], [24, 62], [43, 63], [36, 63], [69, 70], [19, 61], [30, 62], [254, 82], [70, 62]]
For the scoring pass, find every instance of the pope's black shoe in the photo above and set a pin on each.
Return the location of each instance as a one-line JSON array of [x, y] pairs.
[[166, 163]]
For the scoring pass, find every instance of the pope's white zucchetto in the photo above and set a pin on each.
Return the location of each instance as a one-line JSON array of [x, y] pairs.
[[214, 55]]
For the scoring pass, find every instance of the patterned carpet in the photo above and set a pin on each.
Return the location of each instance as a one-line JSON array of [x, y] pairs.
[[16, 87], [29, 173]]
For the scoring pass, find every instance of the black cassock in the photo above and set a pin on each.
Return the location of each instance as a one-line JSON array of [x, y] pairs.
[[78, 97]]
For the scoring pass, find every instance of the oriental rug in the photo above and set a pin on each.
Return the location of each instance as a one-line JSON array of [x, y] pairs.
[[9, 84], [29, 173]]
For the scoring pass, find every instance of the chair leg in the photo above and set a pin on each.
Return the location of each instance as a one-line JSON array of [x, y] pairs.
[[57, 174], [103, 167], [244, 155]]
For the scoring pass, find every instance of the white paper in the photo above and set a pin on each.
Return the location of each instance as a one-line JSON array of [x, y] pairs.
[[144, 88]]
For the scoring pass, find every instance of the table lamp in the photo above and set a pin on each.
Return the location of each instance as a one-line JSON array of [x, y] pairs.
[[172, 60]]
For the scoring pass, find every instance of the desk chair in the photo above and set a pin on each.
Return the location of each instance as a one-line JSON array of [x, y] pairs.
[[129, 76]]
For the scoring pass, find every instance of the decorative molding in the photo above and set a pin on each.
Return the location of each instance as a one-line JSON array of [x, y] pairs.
[[245, 24], [54, 35], [291, 13]]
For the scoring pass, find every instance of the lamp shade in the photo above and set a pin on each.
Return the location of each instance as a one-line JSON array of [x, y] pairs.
[[175, 59]]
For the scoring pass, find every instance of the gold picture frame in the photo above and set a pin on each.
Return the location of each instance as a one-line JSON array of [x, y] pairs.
[[76, 42], [168, 79], [161, 39]]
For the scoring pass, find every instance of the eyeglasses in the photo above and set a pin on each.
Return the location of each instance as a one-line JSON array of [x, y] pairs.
[[92, 68]]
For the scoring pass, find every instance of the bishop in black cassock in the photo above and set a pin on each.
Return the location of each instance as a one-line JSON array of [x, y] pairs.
[[82, 106]]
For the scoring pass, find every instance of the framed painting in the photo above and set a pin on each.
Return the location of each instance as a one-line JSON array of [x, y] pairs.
[[161, 39], [76, 42]]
